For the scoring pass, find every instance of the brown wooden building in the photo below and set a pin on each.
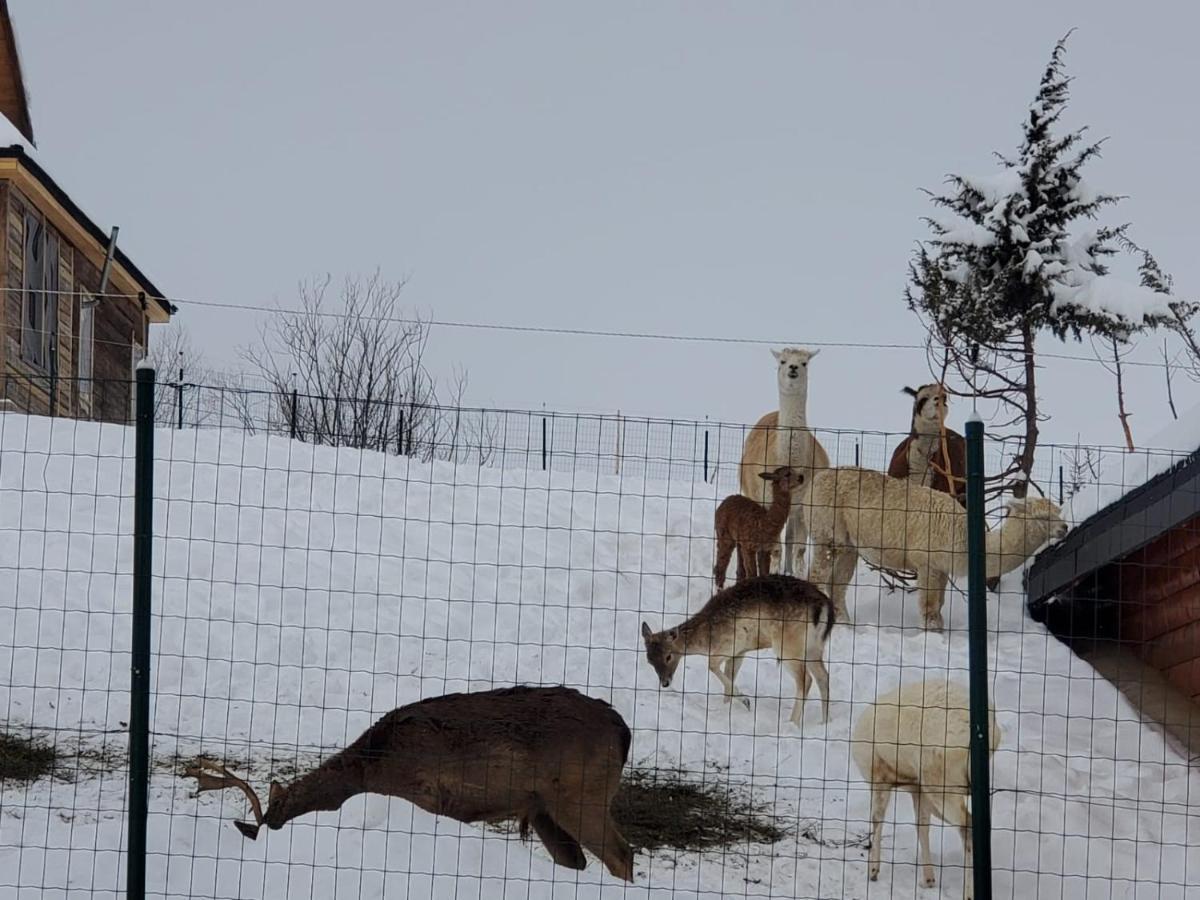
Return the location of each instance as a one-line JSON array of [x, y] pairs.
[[65, 349], [1131, 573]]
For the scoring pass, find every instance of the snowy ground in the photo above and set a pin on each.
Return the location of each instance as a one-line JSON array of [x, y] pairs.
[[301, 592]]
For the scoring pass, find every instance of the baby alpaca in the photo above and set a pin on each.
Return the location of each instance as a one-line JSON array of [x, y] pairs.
[[896, 524], [917, 738], [787, 614], [754, 531]]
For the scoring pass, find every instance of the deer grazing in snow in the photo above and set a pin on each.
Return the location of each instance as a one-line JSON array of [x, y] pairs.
[[743, 524], [785, 614], [549, 757]]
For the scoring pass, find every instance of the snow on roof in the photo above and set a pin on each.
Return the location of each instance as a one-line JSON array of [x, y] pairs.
[[1120, 473]]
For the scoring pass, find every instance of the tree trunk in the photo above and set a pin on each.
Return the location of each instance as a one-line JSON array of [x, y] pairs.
[[1025, 460]]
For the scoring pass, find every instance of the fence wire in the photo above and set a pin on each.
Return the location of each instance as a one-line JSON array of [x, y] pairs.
[[302, 591]]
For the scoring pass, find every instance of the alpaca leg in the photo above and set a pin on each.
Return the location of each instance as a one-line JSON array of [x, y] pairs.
[[921, 814], [933, 594], [845, 562], [786, 558], [721, 566], [881, 796], [799, 539]]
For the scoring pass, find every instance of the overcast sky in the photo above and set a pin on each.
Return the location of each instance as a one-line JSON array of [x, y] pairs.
[[748, 171]]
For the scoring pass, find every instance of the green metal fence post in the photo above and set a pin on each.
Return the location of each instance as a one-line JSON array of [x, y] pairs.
[[981, 812], [139, 711]]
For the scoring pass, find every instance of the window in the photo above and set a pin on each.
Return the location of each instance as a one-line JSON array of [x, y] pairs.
[[39, 298], [87, 331]]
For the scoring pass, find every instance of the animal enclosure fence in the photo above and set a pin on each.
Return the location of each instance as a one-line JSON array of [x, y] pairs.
[[300, 591]]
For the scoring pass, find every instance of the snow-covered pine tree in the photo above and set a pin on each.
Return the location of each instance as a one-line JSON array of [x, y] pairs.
[[1016, 253]]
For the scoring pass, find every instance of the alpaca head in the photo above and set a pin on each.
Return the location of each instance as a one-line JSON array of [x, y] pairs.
[[1034, 520], [793, 369], [929, 408], [783, 479]]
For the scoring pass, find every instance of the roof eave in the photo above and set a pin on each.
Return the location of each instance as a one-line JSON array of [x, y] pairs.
[[95, 231]]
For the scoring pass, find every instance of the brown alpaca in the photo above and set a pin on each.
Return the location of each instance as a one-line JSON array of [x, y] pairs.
[[932, 455], [549, 757], [754, 531]]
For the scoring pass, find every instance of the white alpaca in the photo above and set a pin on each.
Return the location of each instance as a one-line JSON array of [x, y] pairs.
[[917, 738], [896, 524], [782, 439]]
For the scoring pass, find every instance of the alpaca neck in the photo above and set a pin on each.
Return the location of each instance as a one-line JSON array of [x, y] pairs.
[[781, 504], [1010, 545], [793, 406]]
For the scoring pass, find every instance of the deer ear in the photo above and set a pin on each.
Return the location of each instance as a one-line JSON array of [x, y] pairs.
[[276, 793], [767, 476], [907, 390], [646, 632]]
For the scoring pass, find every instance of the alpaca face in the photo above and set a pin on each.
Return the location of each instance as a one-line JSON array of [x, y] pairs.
[[784, 478], [1041, 514], [793, 368], [929, 407]]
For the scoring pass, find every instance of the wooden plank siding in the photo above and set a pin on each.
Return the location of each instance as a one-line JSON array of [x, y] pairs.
[[1158, 593], [118, 323]]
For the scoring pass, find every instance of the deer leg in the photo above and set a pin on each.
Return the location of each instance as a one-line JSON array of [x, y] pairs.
[[741, 561], [588, 821], [786, 555], [563, 848], [732, 667], [814, 648], [881, 796], [715, 664], [921, 814]]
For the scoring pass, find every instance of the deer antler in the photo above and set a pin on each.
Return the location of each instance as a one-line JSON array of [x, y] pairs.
[[212, 776]]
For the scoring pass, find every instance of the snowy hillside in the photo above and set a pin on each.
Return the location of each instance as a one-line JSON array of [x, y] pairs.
[[300, 593]]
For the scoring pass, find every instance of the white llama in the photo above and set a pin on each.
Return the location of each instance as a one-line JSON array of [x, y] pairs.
[[782, 439]]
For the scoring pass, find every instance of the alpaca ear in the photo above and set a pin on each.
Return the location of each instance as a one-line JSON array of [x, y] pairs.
[[767, 476], [646, 632], [778, 354], [813, 353], [912, 392]]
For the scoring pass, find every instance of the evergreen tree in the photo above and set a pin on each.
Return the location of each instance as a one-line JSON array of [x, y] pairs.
[[1016, 253]]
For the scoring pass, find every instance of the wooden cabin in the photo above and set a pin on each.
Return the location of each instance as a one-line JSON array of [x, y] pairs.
[[1130, 573], [65, 350]]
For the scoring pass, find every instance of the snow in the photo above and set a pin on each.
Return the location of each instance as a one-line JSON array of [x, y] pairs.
[[302, 592], [1118, 474], [10, 136], [998, 187]]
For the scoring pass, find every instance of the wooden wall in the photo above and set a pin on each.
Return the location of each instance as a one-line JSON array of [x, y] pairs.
[[1158, 591], [118, 322]]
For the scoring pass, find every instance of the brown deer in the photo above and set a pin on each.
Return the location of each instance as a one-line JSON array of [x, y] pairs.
[[743, 523], [549, 757], [786, 614]]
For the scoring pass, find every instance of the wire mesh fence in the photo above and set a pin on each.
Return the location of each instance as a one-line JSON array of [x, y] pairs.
[[302, 591]]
